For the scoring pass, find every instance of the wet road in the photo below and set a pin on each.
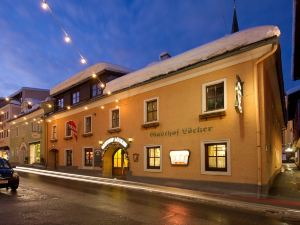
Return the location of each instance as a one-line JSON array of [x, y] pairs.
[[52, 201]]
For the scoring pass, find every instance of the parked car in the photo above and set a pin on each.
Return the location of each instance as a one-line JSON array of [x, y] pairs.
[[8, 177]]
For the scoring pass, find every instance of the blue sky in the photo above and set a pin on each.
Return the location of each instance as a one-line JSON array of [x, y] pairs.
[[130, 33]]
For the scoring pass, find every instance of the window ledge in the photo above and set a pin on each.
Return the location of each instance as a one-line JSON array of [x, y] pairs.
[[114, 130], [52, 140], [68, 138], [206, 116], [87, 134], [149, 125]]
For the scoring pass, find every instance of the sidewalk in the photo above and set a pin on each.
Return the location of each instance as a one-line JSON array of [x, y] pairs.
[[273, 207]]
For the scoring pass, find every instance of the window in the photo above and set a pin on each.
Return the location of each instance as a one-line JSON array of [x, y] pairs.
[[54, 132], [151, 110], [35, 127], [75, 97], [60, 103], [87, 124], [88, 157], [153, 157], [115, 118], [17, 131], [68, 130], [35, 153], [214, 96], [69, 158], [215, 158], [96, 90]]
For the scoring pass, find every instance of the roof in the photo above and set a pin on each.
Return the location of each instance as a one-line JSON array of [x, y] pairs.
[[27, 88], [196, 55], [97, 68]]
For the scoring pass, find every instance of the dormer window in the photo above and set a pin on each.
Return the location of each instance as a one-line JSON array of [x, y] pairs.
[[96, 90], [75, 97], [60, 103]]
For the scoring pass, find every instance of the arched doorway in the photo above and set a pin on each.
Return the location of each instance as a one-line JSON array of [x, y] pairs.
[[115, 157], [120, 163], [22, 154]]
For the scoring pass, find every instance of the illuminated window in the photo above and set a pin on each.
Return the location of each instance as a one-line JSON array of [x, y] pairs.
[[35, 153], [88, 157], [216, 156], [115, 118], [75, 97], [214, 96], [151, 110], [153, 157], [87, 124]]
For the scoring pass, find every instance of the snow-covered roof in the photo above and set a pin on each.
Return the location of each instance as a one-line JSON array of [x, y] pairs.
[[202, 53], [85, 74]]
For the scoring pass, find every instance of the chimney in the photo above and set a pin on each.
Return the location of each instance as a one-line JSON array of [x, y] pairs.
[[164, 56]]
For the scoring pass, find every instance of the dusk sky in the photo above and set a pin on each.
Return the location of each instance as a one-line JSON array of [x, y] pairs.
[[130, 33]]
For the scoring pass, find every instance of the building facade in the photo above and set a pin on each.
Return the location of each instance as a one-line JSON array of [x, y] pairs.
[[11, 107], [27, 139], [211, 115]]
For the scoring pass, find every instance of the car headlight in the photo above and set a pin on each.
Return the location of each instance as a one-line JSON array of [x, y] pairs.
[[15, 175]]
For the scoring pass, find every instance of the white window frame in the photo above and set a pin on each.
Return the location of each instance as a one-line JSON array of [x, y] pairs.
[[145, 110], [204, 96], [76, 92], [67, 149], [110, 118], [66, 130], [84, 124], [228, 156], [83, 157], [145, 159], [60, 103], [52, 137]]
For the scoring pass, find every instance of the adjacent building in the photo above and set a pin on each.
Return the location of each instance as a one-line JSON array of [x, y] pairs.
[[27, 139], [213, 114], [11, 107]]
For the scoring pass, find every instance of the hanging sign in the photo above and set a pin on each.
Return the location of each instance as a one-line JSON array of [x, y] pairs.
[[119, 140], [239, 95]]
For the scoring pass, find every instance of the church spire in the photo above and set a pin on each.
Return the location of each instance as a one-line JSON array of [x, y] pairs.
[[235, 25]]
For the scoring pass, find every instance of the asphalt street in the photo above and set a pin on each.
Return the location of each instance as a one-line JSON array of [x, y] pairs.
[[53, 201]]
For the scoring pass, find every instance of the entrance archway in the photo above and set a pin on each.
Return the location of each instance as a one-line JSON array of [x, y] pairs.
[[115, 157], [119, 163]]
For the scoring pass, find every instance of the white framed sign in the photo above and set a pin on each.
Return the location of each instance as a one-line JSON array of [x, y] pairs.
[[179, 157]]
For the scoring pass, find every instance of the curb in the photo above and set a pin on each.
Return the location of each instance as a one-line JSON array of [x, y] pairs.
[[277, 212]]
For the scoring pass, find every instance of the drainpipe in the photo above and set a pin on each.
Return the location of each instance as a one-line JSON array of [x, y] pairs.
[[258, 118]]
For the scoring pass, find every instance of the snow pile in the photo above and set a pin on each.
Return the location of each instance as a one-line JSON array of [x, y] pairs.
[[85, 74], [202, 53]]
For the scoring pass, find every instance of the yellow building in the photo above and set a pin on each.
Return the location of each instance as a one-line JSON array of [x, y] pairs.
[[213, 114]]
